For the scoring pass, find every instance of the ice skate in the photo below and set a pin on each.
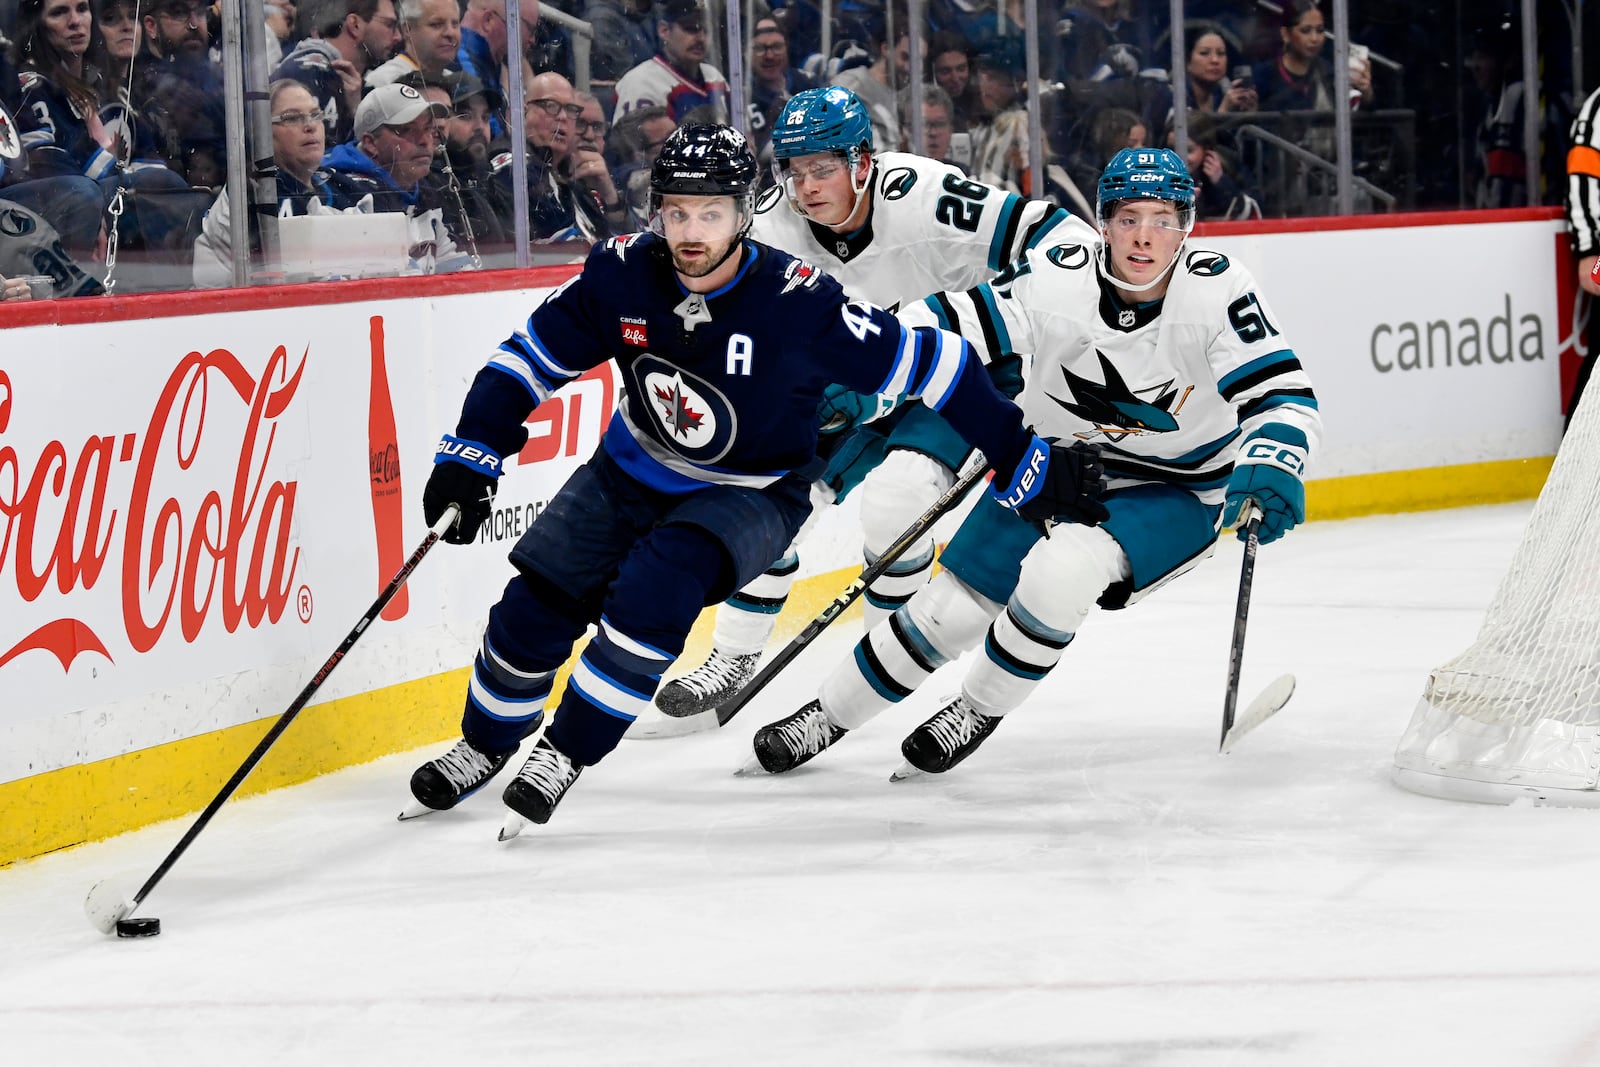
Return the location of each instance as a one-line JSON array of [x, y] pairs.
[[534, 793], [950, 736], [709, 685], [786, 744], [440, 784]]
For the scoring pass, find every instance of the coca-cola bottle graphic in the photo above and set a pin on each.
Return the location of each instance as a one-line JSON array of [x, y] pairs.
[[383, 462]]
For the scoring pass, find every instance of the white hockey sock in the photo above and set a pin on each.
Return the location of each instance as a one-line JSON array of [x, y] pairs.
[[888, 665], [1018, 652], [746, 619], [893, 496], [1062, 577], [899, 583]]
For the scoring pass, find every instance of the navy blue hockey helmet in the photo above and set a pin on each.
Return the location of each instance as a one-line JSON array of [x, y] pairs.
[[1146, 174], [705, 160]]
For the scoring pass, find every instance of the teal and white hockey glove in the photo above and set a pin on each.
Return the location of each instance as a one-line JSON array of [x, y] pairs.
[[1268, 470], [842, 410]]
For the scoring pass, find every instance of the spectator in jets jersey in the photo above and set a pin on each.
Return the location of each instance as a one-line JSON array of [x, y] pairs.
[[725, 347], [1170, 360], [74, 125]]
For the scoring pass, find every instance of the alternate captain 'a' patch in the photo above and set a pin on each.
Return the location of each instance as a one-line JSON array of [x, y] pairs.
[[1118, 411], [691, 414]]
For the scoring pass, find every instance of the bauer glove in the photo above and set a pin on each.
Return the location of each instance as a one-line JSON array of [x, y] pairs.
[[1056, 483], [842, 410], [1268, 470], [465, 474]]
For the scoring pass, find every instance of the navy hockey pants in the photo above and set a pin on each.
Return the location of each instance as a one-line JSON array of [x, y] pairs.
[[639, 563]]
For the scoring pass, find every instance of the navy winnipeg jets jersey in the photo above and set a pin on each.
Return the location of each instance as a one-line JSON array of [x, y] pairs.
[[723, 388]]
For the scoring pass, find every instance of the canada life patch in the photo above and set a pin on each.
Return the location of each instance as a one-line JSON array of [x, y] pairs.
[[634, 333]]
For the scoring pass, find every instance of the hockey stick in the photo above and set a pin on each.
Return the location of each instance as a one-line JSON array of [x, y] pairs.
[[1275, 696], [852, 592], [105, 905]]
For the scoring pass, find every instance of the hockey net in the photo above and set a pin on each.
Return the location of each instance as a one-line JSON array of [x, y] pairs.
[[1517, 715]]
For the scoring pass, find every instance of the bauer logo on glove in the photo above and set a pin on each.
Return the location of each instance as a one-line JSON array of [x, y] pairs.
[[480, 457], [1056, 483]]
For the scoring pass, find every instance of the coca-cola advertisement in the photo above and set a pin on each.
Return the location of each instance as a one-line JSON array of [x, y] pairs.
[[193, 511]]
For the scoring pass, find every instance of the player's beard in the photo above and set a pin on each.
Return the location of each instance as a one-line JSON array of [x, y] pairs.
[[712, 257]]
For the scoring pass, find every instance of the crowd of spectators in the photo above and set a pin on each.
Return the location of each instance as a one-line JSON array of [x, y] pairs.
[[401, 105]]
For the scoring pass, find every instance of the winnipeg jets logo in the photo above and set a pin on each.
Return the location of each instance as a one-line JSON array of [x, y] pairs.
[[1115, 410], [677, 410], [690, 414]]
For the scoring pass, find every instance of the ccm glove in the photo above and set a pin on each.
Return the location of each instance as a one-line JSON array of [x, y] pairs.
[[842, 410], [1056, 483], [1268, 470], [465, 474]]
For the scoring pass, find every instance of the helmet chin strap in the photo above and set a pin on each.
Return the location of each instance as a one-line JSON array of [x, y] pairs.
[[1103, 261]]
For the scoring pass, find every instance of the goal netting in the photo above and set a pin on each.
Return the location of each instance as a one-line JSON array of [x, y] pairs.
[[1517, 715]]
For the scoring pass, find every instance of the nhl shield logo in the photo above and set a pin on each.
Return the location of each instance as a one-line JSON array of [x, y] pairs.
[[691, 414]]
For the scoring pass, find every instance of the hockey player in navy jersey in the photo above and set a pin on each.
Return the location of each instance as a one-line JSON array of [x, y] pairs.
[[703, 475], [891, 227], [1168, 359]]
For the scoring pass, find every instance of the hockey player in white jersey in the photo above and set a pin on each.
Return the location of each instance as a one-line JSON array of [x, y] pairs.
[[891, 228], [1166, 358]]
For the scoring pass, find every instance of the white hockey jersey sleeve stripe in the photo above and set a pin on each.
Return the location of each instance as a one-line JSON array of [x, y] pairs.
[[948, 358], [899, 379]]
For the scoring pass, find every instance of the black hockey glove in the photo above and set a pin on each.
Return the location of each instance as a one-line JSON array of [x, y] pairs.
[[1056, 483], [465, 474]]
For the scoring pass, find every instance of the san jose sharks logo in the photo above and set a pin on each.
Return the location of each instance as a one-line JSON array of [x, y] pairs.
[[1118, 411], [691, 415]]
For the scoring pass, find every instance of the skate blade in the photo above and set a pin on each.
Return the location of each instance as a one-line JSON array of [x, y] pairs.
[[660, 726], [415, 810], [512, 826], [906, 771]]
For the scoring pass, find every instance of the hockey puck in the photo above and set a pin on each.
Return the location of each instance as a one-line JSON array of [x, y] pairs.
[[138, 927]]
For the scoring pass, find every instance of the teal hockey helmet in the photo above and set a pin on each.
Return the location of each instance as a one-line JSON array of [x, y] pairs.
[[1146, 174], [829, 119]]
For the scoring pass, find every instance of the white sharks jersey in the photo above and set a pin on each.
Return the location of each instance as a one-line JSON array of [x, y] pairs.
[[930, 228], [1168, 389]]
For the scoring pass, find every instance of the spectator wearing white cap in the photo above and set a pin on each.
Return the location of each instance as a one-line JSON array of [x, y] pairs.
[[397, 132], [392, 149]]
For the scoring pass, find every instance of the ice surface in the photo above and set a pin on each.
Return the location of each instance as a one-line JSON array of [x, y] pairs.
[[1096, 886]]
